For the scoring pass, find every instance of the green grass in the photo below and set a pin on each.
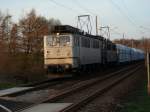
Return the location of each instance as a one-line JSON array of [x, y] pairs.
[[138, 101], [7, 85]]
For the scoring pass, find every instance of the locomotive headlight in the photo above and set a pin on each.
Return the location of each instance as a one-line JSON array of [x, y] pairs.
[[66, 66]]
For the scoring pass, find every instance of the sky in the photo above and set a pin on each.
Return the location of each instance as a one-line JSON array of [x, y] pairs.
[[128, 17]]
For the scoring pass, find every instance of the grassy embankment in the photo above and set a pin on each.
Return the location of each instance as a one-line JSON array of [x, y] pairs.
[[138, 101], [7, 85], [20, 69]]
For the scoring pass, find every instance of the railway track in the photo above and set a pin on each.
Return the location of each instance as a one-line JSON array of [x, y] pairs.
[[62, 95], [8, 105], [85, 84], [32, 87], [70, 94], [78, 104], [37, 86]]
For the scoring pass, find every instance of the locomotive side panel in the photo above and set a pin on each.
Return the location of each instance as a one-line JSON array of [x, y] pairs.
[[90, 56], [76, 50], [90, 51]]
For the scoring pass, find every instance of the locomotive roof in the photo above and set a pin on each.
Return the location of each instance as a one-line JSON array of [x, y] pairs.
[[65, 29], [73, 30]]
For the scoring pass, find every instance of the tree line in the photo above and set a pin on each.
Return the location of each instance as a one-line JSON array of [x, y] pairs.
[[21, 43], [143, 43], [26, 35]]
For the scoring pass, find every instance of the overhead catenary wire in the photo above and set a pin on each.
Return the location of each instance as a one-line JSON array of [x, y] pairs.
[[73, 10], [78, 4], [123, 13], [64, 6], [130, 19], [127, 10], [87, 10], [131, 16]]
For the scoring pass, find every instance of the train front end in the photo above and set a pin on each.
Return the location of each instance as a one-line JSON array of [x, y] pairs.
[[58, 53]]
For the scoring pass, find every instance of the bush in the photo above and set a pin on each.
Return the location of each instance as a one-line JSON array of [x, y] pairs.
[[27, 67]]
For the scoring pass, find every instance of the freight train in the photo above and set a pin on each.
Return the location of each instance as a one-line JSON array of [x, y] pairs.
[[70, 49]]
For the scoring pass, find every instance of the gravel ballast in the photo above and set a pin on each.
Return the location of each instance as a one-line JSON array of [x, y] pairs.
[[110, 101]]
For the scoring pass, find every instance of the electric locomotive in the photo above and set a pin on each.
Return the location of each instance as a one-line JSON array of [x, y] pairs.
[[70, 49]]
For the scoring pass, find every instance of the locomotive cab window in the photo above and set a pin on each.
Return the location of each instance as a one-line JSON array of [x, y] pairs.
[[59, 40], [51, 41], [65, 40]]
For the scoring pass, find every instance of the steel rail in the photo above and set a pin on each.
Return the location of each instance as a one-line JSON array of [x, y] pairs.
[[78, 86], [100, 91]]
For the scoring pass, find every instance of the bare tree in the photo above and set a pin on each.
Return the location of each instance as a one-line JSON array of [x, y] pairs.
[[21, 44], [13, 39], [143, 43], [33, 28]]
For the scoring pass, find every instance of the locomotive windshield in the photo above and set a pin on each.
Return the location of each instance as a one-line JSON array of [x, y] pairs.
[[51, 41], [64, 40], [58, 40]]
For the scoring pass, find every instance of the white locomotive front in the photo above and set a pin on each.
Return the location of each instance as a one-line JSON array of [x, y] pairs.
[[58, 54]]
